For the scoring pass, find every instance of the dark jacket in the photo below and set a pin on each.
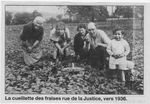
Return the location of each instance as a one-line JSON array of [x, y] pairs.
[[78, 44], [30, 33]]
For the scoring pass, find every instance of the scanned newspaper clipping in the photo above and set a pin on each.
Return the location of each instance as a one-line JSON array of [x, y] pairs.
[[74, 52]]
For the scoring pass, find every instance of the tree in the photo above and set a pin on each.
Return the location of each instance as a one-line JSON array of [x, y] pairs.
[[23, 18], [88, 13], [51, 20], [36, 13], [72, 10], [8, 18], [139, 14], [102, 11], [59, 16], [125, 11]]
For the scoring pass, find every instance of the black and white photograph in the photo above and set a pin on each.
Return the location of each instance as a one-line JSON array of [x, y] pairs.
[[74, 49]]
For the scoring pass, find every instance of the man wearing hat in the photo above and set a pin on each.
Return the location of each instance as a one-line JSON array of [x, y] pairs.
[[98, 41], [31, 37]]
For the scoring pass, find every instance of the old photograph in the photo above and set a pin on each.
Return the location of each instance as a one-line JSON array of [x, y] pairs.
[[74, 49]]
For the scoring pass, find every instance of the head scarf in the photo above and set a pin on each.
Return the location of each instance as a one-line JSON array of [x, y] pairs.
[[39, 21]]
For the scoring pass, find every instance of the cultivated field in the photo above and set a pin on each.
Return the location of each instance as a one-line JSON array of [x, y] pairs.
[[50, 79]]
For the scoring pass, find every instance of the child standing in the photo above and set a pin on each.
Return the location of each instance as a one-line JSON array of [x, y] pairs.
[[118, 49]]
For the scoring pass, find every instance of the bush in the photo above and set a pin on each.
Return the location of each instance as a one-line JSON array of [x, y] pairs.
[[25, 17], [8, 18], [51, 20], [22, 18]]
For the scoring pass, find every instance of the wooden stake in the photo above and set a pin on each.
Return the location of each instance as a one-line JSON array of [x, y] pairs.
[[123, 76]]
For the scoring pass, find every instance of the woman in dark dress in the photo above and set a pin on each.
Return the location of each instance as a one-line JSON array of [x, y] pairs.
[[80, 45], [31, 37]]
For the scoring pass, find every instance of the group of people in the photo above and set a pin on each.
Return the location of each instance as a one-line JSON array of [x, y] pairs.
[[90, 44]]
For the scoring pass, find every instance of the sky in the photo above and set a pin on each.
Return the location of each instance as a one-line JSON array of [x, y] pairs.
[[47, 11], [52, 9]]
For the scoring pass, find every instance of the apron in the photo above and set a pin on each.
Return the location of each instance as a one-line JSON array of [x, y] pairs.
[[31, 57]]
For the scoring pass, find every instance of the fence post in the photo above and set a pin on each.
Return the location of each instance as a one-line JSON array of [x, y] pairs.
[[133, 33]]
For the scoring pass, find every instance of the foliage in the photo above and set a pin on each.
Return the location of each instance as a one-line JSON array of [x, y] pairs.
[[139, 12], [51, 20], [25, 17], [125, 11], [35, 13], [87, 13], [22, 18], [59, 17], [8, 17]]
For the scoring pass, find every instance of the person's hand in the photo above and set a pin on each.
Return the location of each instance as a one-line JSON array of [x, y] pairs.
[[61, 51], [23, 45], [86, 39], [86, 48], [85, 44], [120, 55], [102, 45], [115, 56], [93, 46], [29, 49]]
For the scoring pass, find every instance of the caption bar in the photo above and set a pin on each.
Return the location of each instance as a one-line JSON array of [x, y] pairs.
[[72, 98]]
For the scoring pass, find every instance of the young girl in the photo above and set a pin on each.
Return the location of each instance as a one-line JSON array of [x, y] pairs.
[[60, 36], [118, 49]]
